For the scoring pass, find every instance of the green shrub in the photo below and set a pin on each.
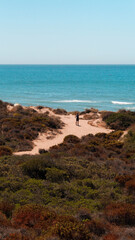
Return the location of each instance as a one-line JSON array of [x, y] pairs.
[[112, 145], [35, 168], [71, 139], [10, 183], [5, 151], [129, 143], [69, 228], [22, 196], [101, 135], [83, 214], [20, 126], [56, 175], [89, 183], [115, 135], [120, 120], [60, 111]]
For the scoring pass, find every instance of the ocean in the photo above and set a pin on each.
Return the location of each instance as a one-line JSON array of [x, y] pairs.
[[72, 87]]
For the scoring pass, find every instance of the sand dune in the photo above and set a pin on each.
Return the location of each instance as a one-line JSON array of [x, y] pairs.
[[47, 140]]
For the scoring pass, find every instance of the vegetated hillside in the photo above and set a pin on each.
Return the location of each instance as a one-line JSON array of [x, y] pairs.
[[81, 189], [120, 120], [20, 126]]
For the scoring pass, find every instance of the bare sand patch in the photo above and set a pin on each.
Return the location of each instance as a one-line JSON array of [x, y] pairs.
[[47, 140]]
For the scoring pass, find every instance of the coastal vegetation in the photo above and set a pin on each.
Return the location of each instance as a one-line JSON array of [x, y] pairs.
[[20, 126], [120, 120], [81, 189]]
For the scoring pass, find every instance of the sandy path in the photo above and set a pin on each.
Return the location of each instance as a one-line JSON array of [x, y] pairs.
[[70, 128]]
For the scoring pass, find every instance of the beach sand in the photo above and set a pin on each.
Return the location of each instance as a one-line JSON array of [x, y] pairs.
[[49, 139]]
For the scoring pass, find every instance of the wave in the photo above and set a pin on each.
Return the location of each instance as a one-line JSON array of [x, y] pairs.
[[74, 101], [122, 103], [130, 108]]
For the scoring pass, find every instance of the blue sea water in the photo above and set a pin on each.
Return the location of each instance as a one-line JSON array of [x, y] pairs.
[[72, 87]]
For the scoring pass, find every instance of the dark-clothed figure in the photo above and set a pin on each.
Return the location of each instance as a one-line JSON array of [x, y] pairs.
[[77, 119]]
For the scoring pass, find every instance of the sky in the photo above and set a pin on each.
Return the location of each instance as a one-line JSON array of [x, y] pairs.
[[67, 32]]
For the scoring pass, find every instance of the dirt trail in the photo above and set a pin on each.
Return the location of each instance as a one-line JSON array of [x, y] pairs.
[[44, 142]]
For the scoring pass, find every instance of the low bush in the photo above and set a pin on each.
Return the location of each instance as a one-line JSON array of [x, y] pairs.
[[119, 120], [18, 236], [48, 237], [71, 139], [111, 236], [69, 228], [101, 135], [35, 168], [33, 216], [5, 151], [83, 214], [82, 149], [60, 111], [4, 222], [42, 151], [121, 213], [129, 143], [112, 145], [130, 185], [115, 135], [122, 179], [56, 175], [96, 227], [20, 126], [7, 208]]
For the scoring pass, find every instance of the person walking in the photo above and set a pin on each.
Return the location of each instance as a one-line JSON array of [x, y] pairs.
[[77, 119]]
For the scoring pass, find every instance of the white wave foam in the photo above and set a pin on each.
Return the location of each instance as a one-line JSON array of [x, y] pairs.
[[130, 108], [74, 101], [122, 103]]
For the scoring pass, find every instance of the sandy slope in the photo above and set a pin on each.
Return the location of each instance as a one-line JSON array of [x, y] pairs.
[[44, 142]]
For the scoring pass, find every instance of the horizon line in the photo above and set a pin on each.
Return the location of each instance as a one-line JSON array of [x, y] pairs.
[[67, 64]]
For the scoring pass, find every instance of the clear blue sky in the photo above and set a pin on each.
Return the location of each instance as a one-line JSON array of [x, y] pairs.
[[67, 31]]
